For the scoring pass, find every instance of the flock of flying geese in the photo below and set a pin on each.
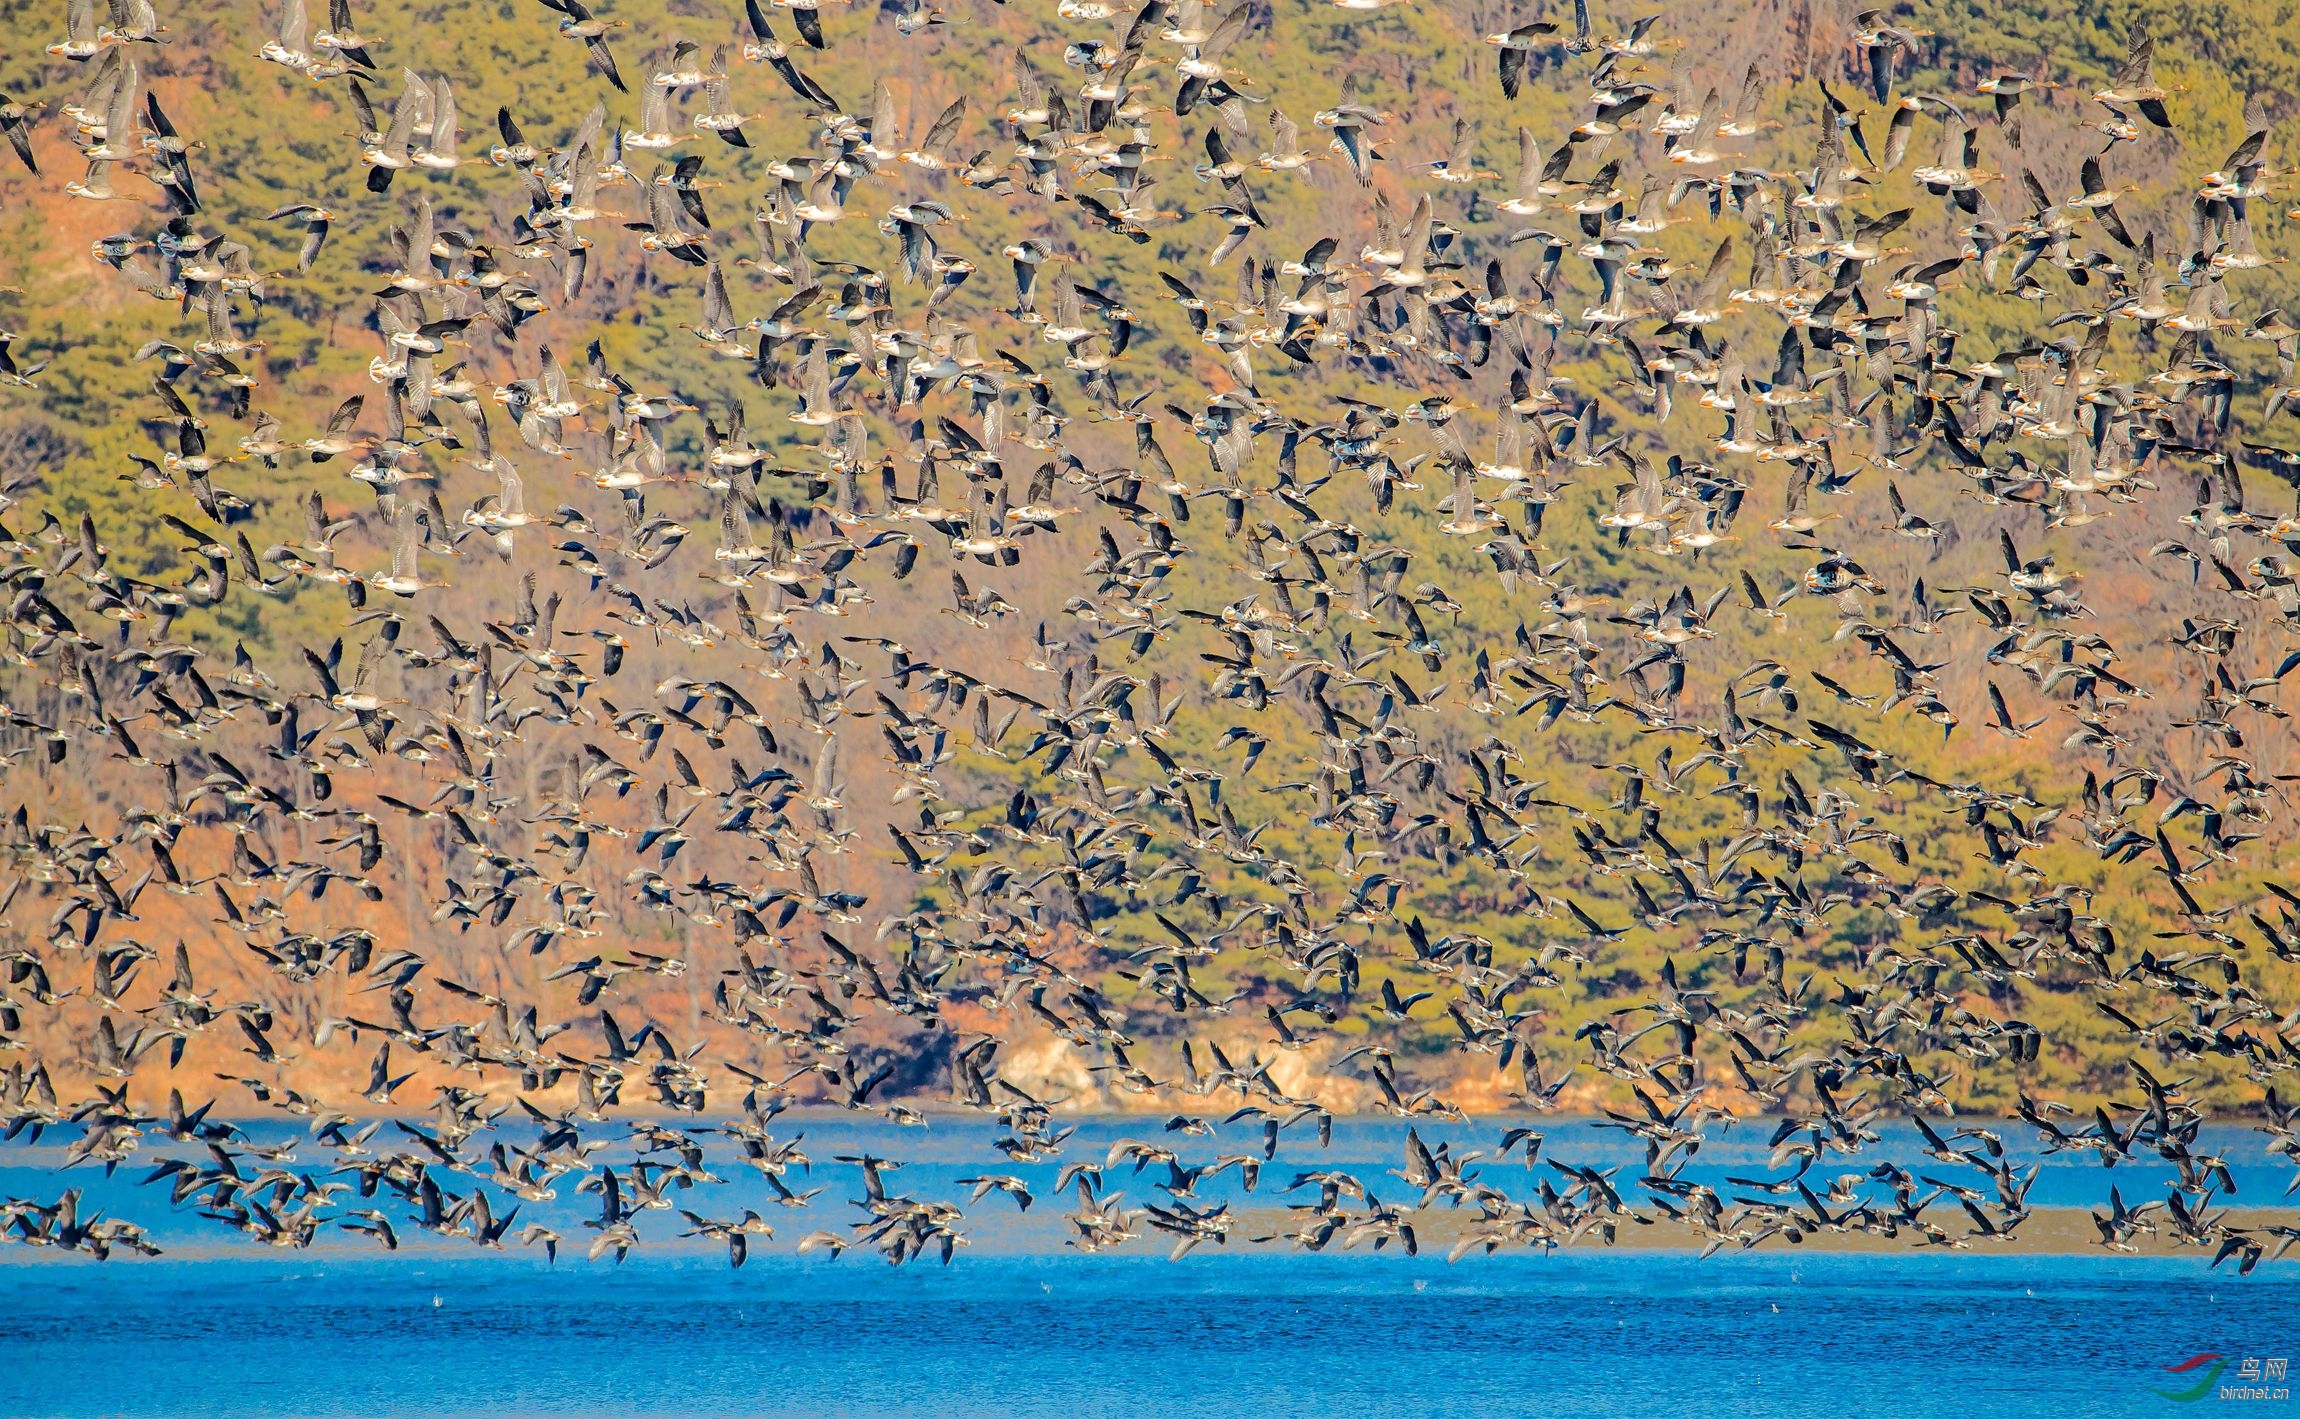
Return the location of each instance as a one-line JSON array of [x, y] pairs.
[[1259, 726]]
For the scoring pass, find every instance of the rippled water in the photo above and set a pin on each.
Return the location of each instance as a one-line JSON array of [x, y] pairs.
[[1570, 1334], [1019, 1326]]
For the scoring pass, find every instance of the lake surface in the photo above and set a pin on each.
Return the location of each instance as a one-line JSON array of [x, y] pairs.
[[934, 1158], [1651, 1333], [1018, 1325]]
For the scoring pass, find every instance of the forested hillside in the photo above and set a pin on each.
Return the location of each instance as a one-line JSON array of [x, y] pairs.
[[1264, 732]]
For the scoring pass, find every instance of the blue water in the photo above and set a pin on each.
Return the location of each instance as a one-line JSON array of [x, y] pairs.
[[952, 1147], [1653, 1333], [1021, 1326]]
